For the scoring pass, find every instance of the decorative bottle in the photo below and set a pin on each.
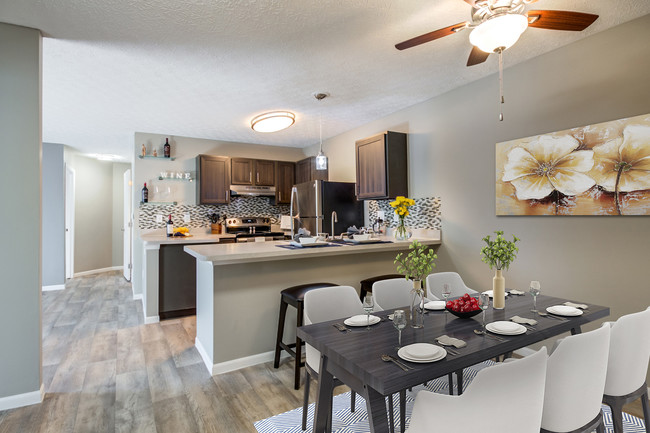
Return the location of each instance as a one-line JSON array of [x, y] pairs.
[[170, 227], [166, 148], [145, 194]]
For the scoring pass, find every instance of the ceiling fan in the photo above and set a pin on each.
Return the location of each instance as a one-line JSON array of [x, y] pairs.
[[497, 24]]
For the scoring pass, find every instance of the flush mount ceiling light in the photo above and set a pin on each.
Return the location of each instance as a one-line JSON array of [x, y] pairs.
[[273, 121], [498, 33]]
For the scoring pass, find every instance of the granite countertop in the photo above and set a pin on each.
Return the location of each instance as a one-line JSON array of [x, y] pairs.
[[270, 251], [196, 238]]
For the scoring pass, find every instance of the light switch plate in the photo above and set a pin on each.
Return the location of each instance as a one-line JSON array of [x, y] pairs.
[[186, 218], [395, 217], [159, 218], [380, 214]]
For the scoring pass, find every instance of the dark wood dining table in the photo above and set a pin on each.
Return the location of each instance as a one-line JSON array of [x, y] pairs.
[[355, 357]]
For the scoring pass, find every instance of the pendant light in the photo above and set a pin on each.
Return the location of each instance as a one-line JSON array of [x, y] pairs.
[[321, 159]]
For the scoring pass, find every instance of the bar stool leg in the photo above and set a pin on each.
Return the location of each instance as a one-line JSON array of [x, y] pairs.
[[283, 314], [299, 319]]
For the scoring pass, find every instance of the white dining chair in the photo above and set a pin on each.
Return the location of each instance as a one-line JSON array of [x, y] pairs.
[[629, 355], [575, 380], [321, 305], [436, 281], [504, 398], [393, 293]]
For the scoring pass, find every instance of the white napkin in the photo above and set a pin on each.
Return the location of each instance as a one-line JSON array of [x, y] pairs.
[[524, 320], [517, 292], [451, 341], [581, 306]]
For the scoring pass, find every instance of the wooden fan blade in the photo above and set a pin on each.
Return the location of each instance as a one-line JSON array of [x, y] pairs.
[[560, 20], [431, 36], [477, 56]]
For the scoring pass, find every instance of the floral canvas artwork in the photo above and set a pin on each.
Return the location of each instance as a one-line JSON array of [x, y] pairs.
[[601, 169]]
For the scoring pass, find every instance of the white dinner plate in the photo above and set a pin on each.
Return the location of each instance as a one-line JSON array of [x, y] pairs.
[[361, 320], [435, 305], [422, 351], [489, 293], [506, 328], [312, 244], [404, 353], [564, 310]]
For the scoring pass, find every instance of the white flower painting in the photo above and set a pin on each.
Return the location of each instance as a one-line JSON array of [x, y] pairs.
[[601, 169]]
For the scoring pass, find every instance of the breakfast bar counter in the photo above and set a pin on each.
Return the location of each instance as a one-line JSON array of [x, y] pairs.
[[239, 285]]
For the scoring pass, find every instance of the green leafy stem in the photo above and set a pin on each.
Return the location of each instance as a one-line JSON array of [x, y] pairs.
[[499, 252]]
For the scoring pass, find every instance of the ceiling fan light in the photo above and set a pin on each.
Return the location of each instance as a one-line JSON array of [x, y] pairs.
[[273, 121], [499, 32], [321, 161]]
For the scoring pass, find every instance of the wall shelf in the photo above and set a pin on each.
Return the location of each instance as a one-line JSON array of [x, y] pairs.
[[156, 157], [175, 179], [158, 203]]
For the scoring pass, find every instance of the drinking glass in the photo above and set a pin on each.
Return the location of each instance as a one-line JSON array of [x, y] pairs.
[[484, 303], [368, 305], [534, 290], [399, 322], [446, 292]]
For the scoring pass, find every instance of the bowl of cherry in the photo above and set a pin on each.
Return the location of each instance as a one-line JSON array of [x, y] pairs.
[[463, 307]]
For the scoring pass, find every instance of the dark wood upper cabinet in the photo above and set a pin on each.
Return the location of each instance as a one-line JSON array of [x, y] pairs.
[[284, 181], [306, 171], [252, 172], [264, 172], [242, 171], [213, 179], [382, 170]]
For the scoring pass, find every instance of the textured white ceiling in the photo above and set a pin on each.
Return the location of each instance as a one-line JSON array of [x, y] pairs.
[[204, 68]]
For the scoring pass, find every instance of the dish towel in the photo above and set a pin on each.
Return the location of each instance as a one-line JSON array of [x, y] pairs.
[[517, 292], [524, 320], [581, 306], [451, 341]]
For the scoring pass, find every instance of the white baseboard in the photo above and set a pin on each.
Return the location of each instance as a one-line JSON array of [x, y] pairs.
[[98, 271], [20, 400], [524, 351], [151, 319], [235, 364], [53, 287]]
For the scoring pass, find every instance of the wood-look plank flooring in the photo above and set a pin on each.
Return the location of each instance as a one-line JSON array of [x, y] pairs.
[[105, 371]]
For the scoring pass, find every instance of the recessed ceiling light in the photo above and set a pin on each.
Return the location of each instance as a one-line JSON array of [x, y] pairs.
[[104, 156], [273, 121]]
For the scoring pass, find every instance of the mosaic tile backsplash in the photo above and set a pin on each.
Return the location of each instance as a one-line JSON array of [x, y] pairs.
[[199, 214], [425, 214]]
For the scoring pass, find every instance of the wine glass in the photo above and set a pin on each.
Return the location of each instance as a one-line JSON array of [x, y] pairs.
[[446, 292], [534, 290], [399, 322], [484, 303], [368, 305]]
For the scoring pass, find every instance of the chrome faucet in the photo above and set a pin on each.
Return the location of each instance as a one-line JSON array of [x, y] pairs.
[[294, 191], [335, 219]]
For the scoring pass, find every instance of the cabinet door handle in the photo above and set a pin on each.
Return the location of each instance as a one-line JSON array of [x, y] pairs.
[[250, 176], [279, 195], [258, 177]]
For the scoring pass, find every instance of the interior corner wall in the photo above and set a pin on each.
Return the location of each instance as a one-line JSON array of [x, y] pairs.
[[20, 189], [53, 215], [93, 223], [117, 256], [452, 141]]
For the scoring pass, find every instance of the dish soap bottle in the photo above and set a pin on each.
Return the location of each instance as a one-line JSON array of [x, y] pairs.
[[170, 227]]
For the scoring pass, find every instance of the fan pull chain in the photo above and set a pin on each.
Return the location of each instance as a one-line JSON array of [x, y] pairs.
[[501, 100]]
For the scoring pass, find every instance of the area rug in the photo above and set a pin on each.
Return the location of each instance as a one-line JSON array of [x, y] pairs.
[[344, 421]]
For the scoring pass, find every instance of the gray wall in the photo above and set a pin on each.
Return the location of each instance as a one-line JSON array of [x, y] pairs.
[[53, 214], [118, 213], [20, 189], [452, 155]]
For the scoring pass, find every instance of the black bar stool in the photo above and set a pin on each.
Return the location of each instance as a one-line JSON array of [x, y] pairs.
[[366, 285], [293, 296]]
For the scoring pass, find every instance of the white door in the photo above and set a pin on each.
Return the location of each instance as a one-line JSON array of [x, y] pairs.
[[69, 222], [127, 225]]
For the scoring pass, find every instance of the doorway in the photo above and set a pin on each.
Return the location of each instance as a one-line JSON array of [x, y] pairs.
[[69, 222], [127, 226]]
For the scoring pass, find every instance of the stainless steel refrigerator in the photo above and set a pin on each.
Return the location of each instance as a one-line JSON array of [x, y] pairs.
[[319, 198]]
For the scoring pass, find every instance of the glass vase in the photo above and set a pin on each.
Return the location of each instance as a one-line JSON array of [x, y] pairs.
[[417, 305], [401, 234]]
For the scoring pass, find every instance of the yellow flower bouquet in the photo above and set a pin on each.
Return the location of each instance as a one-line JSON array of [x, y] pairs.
[[401, 206]]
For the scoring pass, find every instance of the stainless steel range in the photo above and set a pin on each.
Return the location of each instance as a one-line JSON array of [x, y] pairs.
[[252, 229]]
